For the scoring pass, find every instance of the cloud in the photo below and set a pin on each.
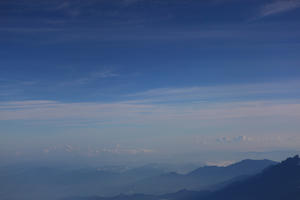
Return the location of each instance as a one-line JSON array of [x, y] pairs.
[[137, 113], [232, 117], [91, 77], [235, 139], [219, 93], [68, 148], [166, 105], [10, 88], [29, 30], [278, 7], [119, 150], [95, 76], [63, 5], [95, 151], [220, 163]]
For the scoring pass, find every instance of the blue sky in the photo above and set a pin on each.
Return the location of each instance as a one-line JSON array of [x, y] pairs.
[[148, 78]]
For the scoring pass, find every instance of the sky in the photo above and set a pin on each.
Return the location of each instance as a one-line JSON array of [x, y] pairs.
[[118, 81]]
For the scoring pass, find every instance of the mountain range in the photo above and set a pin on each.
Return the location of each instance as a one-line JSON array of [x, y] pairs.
[[51, 183], [199, 179], [276, 182]]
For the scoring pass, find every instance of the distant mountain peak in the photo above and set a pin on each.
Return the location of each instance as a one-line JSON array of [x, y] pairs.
[[247, 166], [292, 161], [247, 161]]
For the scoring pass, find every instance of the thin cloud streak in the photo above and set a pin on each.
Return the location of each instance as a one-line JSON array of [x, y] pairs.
[[278, 7], [91, 78], [196, 103], [219, 93], [124, 112]]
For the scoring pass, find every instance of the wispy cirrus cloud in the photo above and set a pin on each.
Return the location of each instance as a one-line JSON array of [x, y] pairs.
[[10, 87], [255, 121], [177, 104], [279, 6], [220, 93], [91, 77]]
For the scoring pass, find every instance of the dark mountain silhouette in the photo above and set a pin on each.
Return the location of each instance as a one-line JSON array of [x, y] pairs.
[[31, 182], [213, 174], [277, 182], [146, 182]]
